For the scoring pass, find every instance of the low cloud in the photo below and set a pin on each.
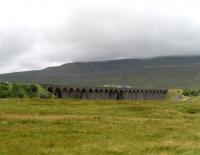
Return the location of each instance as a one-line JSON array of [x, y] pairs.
[[98, 34]]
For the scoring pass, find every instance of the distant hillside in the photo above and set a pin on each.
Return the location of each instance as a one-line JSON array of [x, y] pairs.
[[160, 72]]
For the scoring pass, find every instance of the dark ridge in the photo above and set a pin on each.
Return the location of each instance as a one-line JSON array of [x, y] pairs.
[[158, 72]]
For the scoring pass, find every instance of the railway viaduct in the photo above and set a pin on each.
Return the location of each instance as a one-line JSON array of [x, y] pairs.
[[62, 91]]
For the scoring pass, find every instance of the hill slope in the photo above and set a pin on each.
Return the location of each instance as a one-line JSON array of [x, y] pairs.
[[160, 72], [20, 90]]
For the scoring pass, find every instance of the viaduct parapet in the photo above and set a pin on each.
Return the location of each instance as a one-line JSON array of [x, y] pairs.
[[62, 91]]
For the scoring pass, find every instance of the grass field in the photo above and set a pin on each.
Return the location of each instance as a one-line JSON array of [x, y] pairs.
[[76, 127]]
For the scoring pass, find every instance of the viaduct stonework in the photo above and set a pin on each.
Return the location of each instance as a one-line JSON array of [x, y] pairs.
[[62, 91]]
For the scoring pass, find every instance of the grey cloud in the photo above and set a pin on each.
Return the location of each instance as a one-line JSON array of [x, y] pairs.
[[100, 34], [14, 45], [11, 45]]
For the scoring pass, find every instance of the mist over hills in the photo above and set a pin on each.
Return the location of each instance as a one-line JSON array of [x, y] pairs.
[[158, 72]]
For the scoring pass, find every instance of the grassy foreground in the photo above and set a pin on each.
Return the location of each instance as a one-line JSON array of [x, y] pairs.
[[76, 127]]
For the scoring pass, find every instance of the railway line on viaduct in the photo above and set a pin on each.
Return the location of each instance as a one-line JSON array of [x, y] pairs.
[[62, 91]]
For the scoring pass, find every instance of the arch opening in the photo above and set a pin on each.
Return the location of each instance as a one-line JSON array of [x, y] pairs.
[[83, 94], [65, 93], [111, 94], [90, 94], [71, 92], [116, 95], [78, 93], [50, 89], [58, 93], [101, 95], [96, 94], [121, 95]]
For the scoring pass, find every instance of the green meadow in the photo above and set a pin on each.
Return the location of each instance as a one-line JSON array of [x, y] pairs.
[[94, 127]]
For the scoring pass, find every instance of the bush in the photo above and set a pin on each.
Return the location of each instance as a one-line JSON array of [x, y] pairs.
[[17, 91], [196, 93], [191, 92], [3, 86], [21, 95], [186, 93], [26, 88], [4, 94], [33, 88], [22, 90]]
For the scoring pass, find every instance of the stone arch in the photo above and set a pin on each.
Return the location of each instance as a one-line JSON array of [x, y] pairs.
[[77, 93], [154, 94], [146, 94], [140, 94], [96, 93], [121, 95], [71, 92], [90, 94], [106, 94], [151, 94], [83, 93], [96, 90], [50, 89], [116, 95], [162, 94], [111, 94], [101, 94], [126, 94], [58, 92], [134, 96], [130, 94], [65, 93], [157, 94]]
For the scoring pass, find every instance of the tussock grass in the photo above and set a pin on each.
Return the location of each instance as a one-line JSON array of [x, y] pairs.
[[76, 127]]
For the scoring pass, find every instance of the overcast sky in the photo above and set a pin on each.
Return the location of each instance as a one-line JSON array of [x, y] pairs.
[[35, 34]]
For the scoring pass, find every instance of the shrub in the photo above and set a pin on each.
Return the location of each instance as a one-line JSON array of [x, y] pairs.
[[21, 95], [4, 94], [196, 93], [26, 88], [186, 93], [191, 92], [3, 86], [17, 91], [33, 88], [15, 87]]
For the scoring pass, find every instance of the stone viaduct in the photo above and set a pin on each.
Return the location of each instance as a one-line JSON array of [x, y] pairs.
[[62, 91]]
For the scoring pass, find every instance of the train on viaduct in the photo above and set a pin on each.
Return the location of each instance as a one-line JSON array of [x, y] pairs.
[[62, 91]]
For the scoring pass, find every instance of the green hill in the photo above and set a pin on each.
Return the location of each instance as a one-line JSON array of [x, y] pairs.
[[159, 72]]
